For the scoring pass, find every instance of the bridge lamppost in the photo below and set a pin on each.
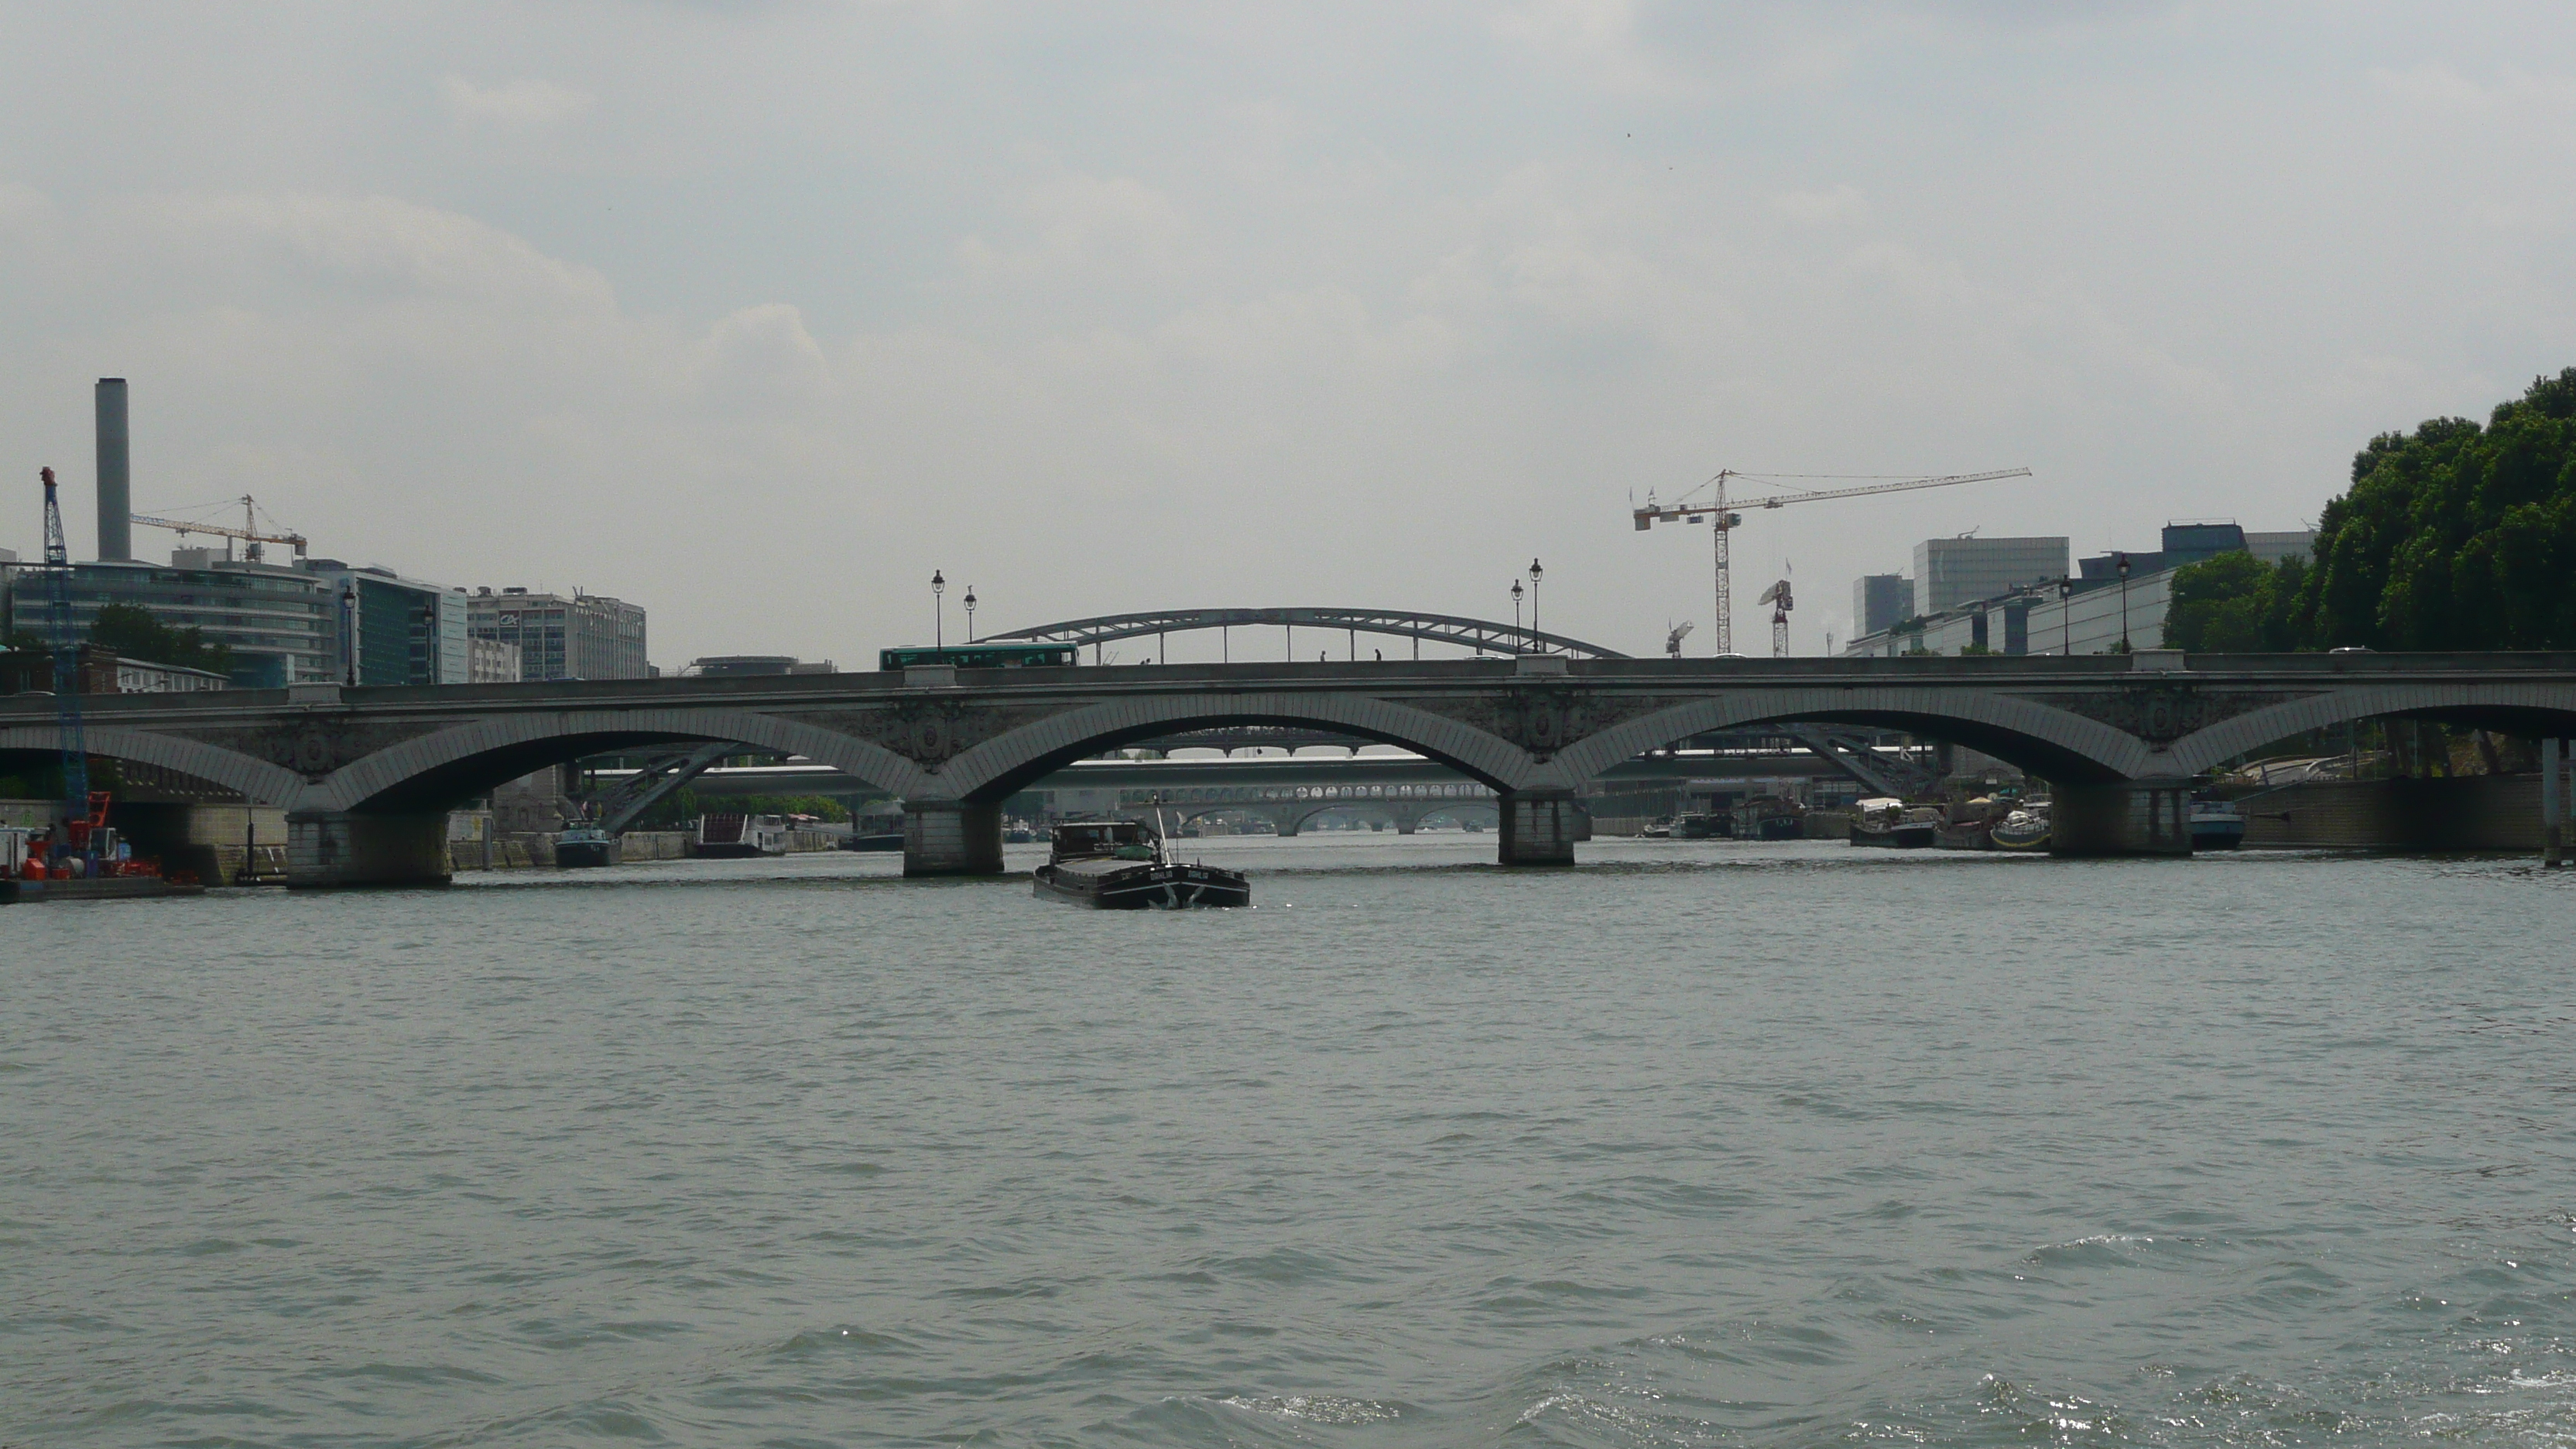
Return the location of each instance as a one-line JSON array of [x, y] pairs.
[[2066, 616], [1535, 573], [969, 602], [2124, 605], [1520, 642], [938, 610]]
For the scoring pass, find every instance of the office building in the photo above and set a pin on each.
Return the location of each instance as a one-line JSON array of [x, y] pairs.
[[1949, 572], [583, 636], [407, 631], [2271, 548], [277, 621], [489, 661], [1880, 601]]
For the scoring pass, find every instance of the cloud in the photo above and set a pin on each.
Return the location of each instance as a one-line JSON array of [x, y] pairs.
[[524, 102], [390, 243], [1817, 208]]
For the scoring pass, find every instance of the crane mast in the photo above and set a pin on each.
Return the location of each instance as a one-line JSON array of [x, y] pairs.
[[1719, 513], [67, 663]]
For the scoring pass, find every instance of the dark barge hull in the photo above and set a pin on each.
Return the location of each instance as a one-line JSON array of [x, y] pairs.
[[1143, 887], [581, 854], [1903, 837]]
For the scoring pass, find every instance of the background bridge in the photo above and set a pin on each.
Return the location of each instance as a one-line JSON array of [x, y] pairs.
[[1482, 635]]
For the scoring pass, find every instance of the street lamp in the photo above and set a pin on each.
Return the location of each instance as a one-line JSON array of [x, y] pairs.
[[1522, 644], [2066, 615], [1535, 573], [2124, 604], [939, 610], [969, 602]]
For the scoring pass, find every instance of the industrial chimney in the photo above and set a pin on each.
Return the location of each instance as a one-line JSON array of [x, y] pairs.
[[115, 482]]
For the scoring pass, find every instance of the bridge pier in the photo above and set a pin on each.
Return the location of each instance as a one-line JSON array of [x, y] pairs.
[[951, 837], [1540, 827], [2125, 817], [332, 848]]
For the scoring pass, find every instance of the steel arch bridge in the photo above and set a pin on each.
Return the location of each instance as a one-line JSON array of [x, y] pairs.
[[1482, 635]]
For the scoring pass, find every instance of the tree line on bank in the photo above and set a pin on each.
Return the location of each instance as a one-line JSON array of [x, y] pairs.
[[2452, 537]]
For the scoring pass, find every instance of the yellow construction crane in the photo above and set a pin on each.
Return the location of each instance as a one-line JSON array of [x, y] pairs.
[[248, 532], [1719, 513]]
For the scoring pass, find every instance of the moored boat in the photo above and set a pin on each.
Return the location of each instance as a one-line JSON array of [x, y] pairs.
[[1769, 817], [1889, 822], [2025, 829], [1121, 865], [2216, 825], [585, 845]]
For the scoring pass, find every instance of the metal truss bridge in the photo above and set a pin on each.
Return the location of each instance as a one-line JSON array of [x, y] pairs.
[[1482, 635]]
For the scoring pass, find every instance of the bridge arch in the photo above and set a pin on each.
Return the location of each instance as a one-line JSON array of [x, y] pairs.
[[2052, 743], [256, 780], [2507, 706], [997, 768], [438, 771], [1483, 635]]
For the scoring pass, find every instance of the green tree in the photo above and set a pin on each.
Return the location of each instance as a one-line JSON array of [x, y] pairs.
[[2454, 536], [2235, 604], [130, 632]]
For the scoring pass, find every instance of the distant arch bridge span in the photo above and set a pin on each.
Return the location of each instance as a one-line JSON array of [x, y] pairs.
[[1482, 635], [366, 776]]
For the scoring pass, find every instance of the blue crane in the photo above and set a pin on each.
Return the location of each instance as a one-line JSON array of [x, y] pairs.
[[67, 670]]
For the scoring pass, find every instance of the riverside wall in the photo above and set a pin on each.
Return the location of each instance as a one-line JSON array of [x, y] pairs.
[[2467, 813]]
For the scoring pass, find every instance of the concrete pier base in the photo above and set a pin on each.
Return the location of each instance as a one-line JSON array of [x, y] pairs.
[[948, 837], [2553, 803], [2126, 817], [333, 848], [1540, 827]]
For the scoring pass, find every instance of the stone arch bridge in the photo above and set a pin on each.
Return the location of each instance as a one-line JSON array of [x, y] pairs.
[[366, 776]]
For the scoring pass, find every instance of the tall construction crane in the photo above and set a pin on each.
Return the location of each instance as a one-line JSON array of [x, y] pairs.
[[249, 531], [1778, 597], [67, 670], [1720, 512]]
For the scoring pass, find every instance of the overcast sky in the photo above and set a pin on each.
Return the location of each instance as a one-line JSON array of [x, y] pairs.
[[755, 313]]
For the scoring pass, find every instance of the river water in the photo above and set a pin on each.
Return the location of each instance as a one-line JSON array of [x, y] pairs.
[[1696, 1144]]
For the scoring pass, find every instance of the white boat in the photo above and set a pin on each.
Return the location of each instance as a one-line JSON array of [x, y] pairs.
[[2216, 825]]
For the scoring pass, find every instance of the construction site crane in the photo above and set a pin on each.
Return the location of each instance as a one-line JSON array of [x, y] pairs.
[[1778, 597], [78, 808], [1719, 512], [1673, 640], [249, 532]]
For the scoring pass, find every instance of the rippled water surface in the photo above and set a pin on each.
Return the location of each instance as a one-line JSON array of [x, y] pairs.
[[1695, 1144]]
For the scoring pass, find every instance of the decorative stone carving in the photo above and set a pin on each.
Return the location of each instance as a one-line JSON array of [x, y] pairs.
[[2165, 711], [928, 732], [311, 745], [1543, 717]]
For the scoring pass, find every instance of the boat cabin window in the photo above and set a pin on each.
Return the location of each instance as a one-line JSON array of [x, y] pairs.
[[1099, 835]]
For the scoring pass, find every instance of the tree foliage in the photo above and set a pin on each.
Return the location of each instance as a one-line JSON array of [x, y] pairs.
[[2455, 536], [2235, 604], [130, 632]]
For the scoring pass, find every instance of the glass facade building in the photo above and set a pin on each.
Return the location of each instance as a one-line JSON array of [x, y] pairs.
[[277, 621], [407, 631]]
